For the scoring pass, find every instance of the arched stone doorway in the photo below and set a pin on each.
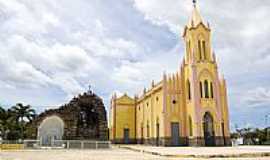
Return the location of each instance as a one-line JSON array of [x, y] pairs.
[[50, 129], [208, 128]]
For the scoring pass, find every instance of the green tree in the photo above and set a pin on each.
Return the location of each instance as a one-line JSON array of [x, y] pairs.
[[22, 114], [261, 135], [252, 135], [6, 123]]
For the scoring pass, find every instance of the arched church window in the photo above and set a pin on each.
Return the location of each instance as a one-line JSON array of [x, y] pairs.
[[190, 126], [188, 49], [204, 49], [189, 90], [201, 89], [148, 129], [200, 49], [211, 90], [141, 130], [206, 89]]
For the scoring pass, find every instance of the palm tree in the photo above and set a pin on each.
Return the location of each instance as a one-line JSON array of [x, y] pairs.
[[22, 114]]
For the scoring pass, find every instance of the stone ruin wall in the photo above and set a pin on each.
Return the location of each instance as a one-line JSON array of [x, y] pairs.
[[84, 117]]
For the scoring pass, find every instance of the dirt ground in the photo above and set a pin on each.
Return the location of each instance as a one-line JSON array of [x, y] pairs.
[[104, 154]]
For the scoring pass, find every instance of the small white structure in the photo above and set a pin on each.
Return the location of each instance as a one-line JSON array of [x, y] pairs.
[[237, 142], [51, 129]]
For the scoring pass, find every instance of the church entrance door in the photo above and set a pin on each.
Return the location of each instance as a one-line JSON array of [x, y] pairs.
[[175, 134], [208, 127], [157, 138], [126, 135]]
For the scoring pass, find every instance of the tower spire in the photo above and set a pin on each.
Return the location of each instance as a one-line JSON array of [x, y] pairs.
[[196, 17], [194, 2]]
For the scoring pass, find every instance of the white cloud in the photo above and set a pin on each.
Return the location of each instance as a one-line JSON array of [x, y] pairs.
[[258, 97], [170, 13], [44, 46], [55, 48], [26, 17]]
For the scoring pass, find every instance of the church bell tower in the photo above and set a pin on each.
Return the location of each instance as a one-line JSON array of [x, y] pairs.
[[205, 92]]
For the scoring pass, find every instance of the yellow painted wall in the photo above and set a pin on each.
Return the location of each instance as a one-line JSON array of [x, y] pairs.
[[149, 112], [174, 105], [124, 117], [11, 146]]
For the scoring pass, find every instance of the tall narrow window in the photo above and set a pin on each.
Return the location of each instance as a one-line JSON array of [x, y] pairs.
[[206, 89], [190, 127], [189, 90], [200, 50], [189, 47], [142, 133], [223, 132], [211, 90], [188, 50], [148, 130], [201, 89], [204, 49], [186, 46]]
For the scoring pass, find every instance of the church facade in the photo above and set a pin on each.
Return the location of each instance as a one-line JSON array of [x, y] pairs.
[[187, 108]]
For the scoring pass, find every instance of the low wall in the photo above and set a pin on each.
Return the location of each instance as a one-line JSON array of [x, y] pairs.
[[76, 144], [11, 146], [57, 144]]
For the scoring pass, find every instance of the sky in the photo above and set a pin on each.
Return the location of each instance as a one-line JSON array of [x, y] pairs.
[[53, 50]]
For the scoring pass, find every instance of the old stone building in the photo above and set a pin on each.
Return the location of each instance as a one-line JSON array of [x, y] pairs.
[[188, 107], [83, 118]]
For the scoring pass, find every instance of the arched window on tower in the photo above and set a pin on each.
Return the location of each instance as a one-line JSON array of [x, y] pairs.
[[206, 91], [188, 50], [189, 90], [201, 89], [204, 49], [200, 49], [211, 90], [187, 58]]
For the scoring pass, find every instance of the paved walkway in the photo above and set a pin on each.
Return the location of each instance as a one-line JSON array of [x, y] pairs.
[[104, 154], [203, 152], [112, 154]]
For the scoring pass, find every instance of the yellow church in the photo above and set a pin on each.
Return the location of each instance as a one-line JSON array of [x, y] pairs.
[[188, 108]]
